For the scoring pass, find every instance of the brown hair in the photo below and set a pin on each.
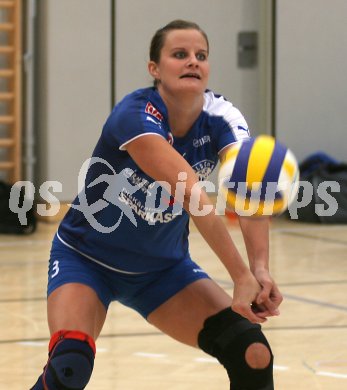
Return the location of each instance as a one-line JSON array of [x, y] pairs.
[[158, 39]]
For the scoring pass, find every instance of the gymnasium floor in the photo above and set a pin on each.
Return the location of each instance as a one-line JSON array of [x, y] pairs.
[[309, 338]]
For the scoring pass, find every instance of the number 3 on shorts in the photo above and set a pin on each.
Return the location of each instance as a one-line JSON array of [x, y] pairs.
[[55, 269]]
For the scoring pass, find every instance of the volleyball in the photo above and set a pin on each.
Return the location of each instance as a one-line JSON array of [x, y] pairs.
[[259, 176]]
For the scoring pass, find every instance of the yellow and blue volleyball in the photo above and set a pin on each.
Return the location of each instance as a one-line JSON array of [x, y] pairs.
[[258, 176]]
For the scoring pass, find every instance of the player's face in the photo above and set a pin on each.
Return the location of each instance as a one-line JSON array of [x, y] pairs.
[[183, 65]]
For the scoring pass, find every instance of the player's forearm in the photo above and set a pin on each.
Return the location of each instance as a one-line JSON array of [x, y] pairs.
[[216, 235], [256, 236]]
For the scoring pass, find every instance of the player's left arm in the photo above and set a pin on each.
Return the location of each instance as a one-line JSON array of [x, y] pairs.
[[255, 233]]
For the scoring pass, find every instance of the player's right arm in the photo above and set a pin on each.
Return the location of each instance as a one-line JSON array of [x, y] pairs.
[[156, 157]]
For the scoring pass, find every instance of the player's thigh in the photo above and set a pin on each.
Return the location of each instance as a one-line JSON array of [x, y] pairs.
[[183, 315], [75, 306]]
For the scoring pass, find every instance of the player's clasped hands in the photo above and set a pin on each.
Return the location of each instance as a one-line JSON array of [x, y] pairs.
[[256, 296]]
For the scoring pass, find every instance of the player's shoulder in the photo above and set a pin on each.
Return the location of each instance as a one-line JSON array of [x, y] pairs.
[[139, 103], [218, 106], [137, 98], [215, 104]]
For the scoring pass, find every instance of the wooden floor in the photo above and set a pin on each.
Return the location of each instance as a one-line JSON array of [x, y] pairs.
[[309, 338]]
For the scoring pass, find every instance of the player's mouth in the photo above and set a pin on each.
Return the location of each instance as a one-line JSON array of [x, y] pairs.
[[191, 75]]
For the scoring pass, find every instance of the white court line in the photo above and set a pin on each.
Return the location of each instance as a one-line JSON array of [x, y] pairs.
[[32, 343], [101, 350], [150, 355], [280, 368], [206, 360], [331, 374]]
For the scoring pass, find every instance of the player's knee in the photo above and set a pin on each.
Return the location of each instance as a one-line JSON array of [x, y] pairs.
[[242, 349], [71, 370], [71, 361], [258, 356]]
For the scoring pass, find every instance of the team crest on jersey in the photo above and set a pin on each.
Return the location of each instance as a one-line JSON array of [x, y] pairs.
[[204, 168], [151, 110]]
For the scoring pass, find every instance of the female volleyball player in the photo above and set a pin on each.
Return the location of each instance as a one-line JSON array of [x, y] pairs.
[[125, 237]]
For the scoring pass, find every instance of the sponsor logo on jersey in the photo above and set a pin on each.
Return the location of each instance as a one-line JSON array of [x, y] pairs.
[[150, 109], [204, 168], [148, 214], [197, 143]]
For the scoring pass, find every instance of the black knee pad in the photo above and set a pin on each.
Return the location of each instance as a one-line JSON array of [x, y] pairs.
[[226, 336], [71, 368], [70, 363]]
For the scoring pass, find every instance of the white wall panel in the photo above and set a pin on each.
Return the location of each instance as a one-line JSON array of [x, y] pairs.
[[311, 103], [75, 90]]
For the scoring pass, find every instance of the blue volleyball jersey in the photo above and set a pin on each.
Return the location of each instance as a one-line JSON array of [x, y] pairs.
[[122, 218]]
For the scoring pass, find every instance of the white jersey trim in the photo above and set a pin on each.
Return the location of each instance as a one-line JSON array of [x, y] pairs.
[[218, 106], [98, 261], [226, 146], [123, 146]]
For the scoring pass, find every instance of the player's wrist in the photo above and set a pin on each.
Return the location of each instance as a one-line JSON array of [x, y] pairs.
[[241, 273], [259, 264]]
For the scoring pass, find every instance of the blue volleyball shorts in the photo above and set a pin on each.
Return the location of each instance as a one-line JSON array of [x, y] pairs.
[[142, 292]]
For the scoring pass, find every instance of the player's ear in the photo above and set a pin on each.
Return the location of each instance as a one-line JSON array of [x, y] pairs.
[[153, 70]]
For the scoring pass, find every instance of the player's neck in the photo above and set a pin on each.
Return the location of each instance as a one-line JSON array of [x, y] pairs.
[[183, 111]]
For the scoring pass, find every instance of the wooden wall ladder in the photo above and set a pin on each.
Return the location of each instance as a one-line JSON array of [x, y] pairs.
[[10, 90]]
